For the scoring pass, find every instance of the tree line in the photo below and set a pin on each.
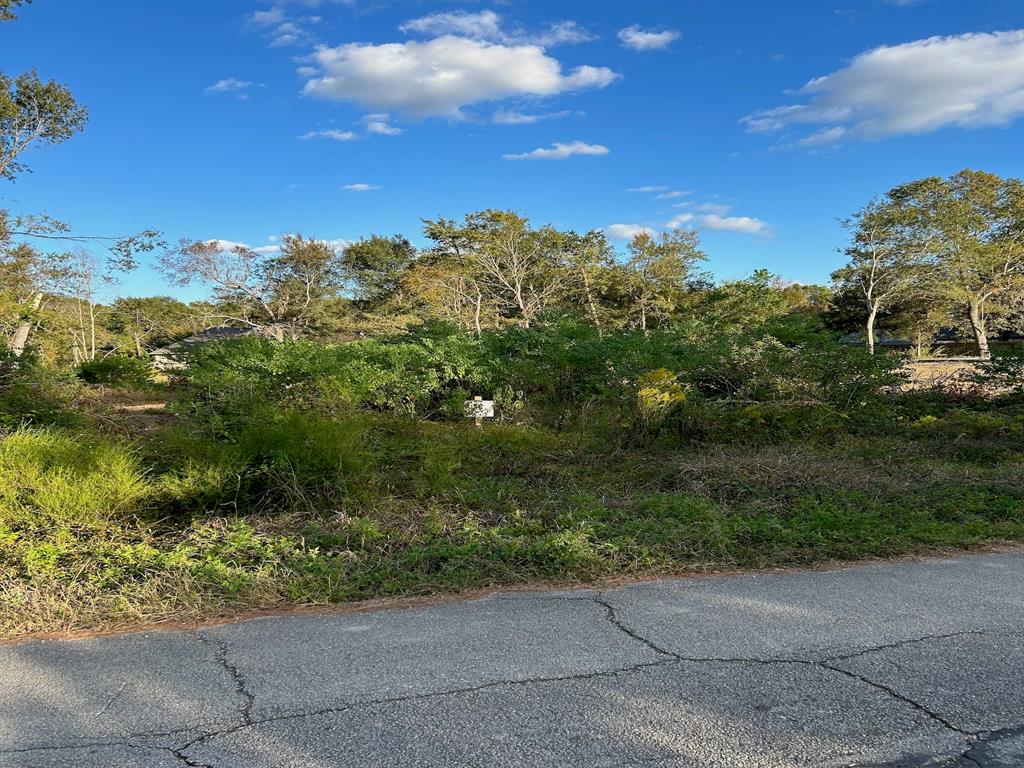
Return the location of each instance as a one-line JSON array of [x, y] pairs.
[[944, 253], [928, 255]]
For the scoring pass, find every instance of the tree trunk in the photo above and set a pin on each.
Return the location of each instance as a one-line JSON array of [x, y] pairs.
[[870, 337], [21, 333], [590, 302], [977, 318]]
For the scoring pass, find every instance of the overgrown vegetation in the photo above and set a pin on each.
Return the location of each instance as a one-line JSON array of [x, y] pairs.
[[648, 419], [305, 473]]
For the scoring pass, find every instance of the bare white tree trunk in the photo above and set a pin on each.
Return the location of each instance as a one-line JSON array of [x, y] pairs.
[[977, 318], [870, 329], [20, 337]]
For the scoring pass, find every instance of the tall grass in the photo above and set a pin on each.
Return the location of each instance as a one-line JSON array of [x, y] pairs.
[[294, 507]]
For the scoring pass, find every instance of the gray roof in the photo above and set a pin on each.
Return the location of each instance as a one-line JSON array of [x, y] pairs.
[[217, 333]]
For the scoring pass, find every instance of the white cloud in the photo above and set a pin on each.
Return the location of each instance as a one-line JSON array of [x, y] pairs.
[[647, 40], [717, 208], [560, 151], [288, 33], [512, 117], [711, 216], [230, 245], [673, 194], [440, 76], [485, 25], [225, 245], [647, 189], [823, 137], [360, 187], [743, 224], [329, 133], [627, 231], [281, 29], [268, 17], [967, 80], [229, 85], [679, 220], [488, 25], [560, 33], [380, 123]]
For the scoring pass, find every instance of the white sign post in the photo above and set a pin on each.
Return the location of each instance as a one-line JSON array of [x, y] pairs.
[[479, 409]]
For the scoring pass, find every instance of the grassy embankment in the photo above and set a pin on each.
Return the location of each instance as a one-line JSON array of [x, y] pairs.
[[99, 528]]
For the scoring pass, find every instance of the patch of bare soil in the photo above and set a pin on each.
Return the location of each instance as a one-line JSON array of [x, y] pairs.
[[951, 375], [134, 413]]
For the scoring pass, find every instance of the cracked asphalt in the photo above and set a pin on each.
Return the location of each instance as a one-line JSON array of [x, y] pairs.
[[910, 664]]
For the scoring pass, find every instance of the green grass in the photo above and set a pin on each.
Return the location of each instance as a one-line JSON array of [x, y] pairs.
[[301, 509]]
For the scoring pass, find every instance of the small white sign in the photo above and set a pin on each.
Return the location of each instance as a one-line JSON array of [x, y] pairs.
[[479, 409]]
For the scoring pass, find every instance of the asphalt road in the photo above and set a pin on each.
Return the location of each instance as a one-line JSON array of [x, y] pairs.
[[905, 664]]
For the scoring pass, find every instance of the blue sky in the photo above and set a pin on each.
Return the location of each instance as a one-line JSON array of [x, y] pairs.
[[758, 123]]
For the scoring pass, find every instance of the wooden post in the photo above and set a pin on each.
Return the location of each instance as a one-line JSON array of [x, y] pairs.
[[477, 418]]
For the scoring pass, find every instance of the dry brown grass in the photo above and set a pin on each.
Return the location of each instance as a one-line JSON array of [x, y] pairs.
[[951, 376], [733, 472]]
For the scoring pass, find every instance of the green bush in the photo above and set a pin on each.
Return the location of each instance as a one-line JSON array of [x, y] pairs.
[[32, 393], [415, 374], [114, 370], [1003, 373]]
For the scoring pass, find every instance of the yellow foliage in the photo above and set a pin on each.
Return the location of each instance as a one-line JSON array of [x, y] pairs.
[[658, 391]]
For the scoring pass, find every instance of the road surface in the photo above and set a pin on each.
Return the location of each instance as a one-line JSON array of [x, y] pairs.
[[898, 664]]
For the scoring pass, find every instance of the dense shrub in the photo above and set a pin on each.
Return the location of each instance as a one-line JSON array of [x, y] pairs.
[[32, 393], [414, 374], [1003, 373], [560, 374], [114, 370]]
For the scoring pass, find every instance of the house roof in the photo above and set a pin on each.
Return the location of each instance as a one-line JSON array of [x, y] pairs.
[[217, 333]]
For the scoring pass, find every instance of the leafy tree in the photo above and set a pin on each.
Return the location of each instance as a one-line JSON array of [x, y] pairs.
[[145, 322], [446, 279], [30, 275], [37, 112], [739, 305], [519, 267], [660, 267], [375, 267], [493, 265], [589, 259], [7, 8], [887, 258], [281, 296], [34, 112], [973, 229]]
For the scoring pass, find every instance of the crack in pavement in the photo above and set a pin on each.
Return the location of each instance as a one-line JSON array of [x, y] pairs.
[[898, 696], [206, 735], [973, 757], [976, 756], [912, 641], [613, 619], [430, 695], [978, 740], [822, 664], [221, 656], [178, 754]]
